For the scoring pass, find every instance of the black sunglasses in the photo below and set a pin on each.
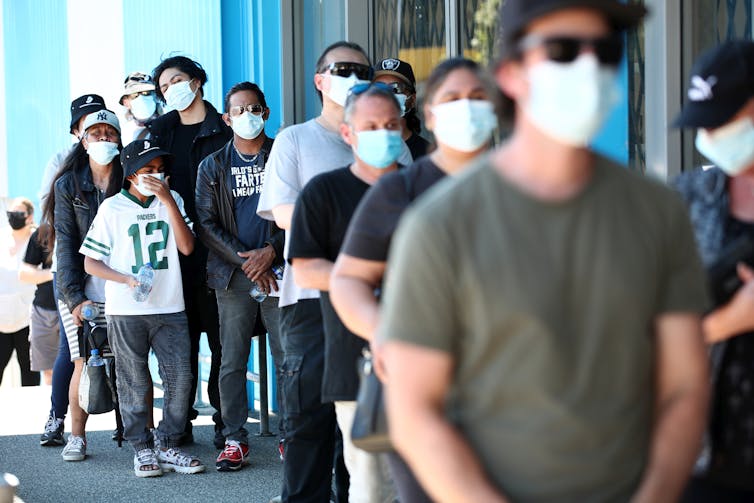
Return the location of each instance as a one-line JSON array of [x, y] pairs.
[[341, 69], [608, 50]]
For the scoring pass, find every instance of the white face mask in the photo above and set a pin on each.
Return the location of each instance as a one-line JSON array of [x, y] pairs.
[[142, 107], [570, 101], [140, 186], [179, 95], [247, 125], [102, 152], [339, 87], [730, 147], [464, 125], [402, 102]]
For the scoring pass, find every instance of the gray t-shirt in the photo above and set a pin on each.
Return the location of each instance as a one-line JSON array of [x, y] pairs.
[[547, 309], [299, 154]]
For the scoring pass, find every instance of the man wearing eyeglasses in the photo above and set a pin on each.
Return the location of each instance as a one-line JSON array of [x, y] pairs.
[[300, 153], [141, 105], [541, 332], [242, 248]]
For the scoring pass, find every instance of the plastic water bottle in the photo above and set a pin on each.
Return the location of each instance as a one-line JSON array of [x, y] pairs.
[[145, 277], [95, 360], [256, 291], [89, 312]]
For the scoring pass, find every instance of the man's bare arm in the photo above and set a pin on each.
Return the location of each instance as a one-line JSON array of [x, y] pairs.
[[352, 292], [418, 380], [283, 213], [312, 273], [682, 395]]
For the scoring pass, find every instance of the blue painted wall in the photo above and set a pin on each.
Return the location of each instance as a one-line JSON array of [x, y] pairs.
[[36, 90], [612, 140]]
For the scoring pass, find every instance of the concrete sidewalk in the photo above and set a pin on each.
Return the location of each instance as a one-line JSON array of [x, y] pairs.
[[107, 473]]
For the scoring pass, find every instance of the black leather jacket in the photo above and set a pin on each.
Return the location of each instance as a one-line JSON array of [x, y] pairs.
[[76, 203], [216, 222], [212, 135]]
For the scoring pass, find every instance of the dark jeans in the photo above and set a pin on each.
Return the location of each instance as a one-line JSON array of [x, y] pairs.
[[406, 485], [130, 338], [201, 311], [19, 341], [61, 372], [309, 424], [238, 316]]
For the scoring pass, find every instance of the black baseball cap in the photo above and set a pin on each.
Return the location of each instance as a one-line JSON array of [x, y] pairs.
[[722, 81], [516, 15], [84, 105], [138, 153], [397, 68]]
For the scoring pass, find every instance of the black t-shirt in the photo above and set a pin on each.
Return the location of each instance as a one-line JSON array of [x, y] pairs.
[[245, 181], [377, 216], [417, 145], [181, 169], [37, 255], [320, 219]]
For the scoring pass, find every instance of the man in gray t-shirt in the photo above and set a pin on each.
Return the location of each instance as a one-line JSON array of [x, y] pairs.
[[301, 152], [541, 334]]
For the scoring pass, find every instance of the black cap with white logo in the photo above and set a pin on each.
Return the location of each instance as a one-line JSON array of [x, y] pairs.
[[722, 81], [138, 153], [396, 67], [84, 105]]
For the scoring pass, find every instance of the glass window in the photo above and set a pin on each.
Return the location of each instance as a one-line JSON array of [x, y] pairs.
[[479, 28], [636, 103], [412, 30]]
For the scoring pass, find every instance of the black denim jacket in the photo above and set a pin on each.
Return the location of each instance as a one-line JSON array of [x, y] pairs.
[[76, 203], [216, 222]]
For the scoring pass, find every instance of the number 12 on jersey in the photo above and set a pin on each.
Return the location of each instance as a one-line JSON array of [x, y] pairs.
[[134, 232]]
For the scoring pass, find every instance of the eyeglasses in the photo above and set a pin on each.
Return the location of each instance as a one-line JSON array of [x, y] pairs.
[[362, 88], [401, 88], [342, 69], [133, 96], [609, 50], [237, 110]]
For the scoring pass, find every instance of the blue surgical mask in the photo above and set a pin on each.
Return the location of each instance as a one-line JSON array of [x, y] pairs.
[[402, 102], [379, 148], [730, 147], [247, 125], [143, 107]]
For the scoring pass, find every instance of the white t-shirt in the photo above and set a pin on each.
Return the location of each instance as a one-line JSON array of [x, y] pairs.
[[126, 234], [300, 153], [15, 297]]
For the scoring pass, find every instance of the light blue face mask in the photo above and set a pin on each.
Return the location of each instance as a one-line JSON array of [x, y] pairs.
[[730, 147], [379, 148]]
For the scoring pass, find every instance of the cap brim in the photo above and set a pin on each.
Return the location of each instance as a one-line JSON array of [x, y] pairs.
[[143, 160], [395, 74], [706, 116]]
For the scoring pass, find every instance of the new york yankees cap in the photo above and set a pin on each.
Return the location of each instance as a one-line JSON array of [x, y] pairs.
[[138, 153], [396, 67], [103, 116], [516, 15], [722, 81], [83, 105]]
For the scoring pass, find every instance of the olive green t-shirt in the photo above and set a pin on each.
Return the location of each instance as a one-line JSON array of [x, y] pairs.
[[547, 309]]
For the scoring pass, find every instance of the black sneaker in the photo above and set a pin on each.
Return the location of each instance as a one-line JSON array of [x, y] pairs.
[[53, 434]]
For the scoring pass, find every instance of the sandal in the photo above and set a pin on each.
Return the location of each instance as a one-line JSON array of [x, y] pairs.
[[146, 464], [176, 461]]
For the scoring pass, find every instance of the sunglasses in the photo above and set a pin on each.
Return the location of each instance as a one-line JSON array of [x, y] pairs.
[[608, 50], [362, 88], [237, 110], [400, 88], [133, 96], [362, 72]]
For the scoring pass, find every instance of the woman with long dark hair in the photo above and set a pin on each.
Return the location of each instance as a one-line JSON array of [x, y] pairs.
[[90, 173]]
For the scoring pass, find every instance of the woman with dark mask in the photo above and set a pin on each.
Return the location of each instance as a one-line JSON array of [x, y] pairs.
[[90, 173], [15, 296]]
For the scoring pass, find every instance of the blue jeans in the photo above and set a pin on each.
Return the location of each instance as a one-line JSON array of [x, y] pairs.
[[62, 371], [310, 425], [130, 339], [238, 315]]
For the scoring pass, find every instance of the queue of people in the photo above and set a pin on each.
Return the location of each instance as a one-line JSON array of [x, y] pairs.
[[537, 313]]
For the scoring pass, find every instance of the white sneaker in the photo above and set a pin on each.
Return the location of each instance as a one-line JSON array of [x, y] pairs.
[[75, 449]]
